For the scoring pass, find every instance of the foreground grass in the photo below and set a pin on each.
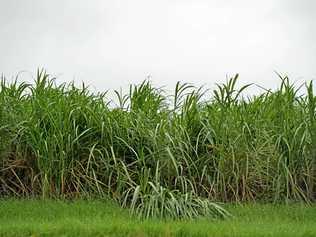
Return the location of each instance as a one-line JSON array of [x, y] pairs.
[[100, 218]]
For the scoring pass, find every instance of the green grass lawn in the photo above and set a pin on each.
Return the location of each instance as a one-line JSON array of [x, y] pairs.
[[101, 218]]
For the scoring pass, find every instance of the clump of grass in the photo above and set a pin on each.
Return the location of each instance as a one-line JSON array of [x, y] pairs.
[[160, 202], [161, 155]]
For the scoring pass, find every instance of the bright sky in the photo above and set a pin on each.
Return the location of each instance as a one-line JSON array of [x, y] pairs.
[[111, 43]]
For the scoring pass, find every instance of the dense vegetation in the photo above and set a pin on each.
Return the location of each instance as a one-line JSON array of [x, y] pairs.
[[99, 218], [160, 155]]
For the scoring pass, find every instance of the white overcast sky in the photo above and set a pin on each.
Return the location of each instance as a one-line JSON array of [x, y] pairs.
[[111, 43]]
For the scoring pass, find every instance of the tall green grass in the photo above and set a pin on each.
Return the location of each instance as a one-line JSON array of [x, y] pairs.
[[163, 156]]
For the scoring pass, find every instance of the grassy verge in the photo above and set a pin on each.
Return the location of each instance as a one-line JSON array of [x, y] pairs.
[[100, 218]]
